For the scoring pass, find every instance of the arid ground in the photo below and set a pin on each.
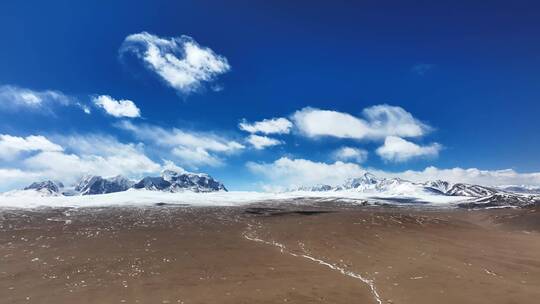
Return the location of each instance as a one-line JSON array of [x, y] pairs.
[[286, 253]]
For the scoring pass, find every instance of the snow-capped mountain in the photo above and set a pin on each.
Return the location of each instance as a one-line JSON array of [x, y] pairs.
[[179, 181], [365, 187], [197, 182], [37, 189], [154, 183], [44, 188], [170, 181], [370, 183], [367, 181], [93, 184], [376, 186]]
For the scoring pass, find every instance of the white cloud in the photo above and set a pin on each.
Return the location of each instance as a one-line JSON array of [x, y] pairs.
[[12, 146], [117, 108], [349, 153], [314, 122], [92, 154], [69, 157], [267, 126], [468, 175], [397, 149], [191, 148], [14, 98], [180, 61], [385, 120], [13, 178], [378, 122], [286, 173], [69, 167], [261, 142]]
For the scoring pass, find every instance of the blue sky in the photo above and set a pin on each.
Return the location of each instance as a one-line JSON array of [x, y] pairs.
[[392, 88]]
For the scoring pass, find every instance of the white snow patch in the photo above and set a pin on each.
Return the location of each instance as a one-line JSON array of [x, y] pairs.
[[30, 199]]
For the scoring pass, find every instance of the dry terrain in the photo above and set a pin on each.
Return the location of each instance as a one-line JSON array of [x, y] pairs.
[[286, 253]]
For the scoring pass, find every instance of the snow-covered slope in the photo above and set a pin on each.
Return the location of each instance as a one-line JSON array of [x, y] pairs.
[[524, 189], [315, 188], [470, 190], [142, 197], [438, 185], [501, 200]]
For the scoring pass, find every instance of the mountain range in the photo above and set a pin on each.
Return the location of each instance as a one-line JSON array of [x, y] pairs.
[[477, 194], [169, 181], [371, 186]]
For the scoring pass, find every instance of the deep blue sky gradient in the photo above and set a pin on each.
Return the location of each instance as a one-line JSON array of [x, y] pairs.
[[481, 92]]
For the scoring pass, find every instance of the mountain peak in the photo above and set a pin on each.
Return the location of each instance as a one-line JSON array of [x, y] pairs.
[[47, 187], [178, 180], [94, 184], [366, 180]]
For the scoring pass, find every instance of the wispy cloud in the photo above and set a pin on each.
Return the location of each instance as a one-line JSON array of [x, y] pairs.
[[190, 147], [16, 98], [92, 154], [180, 61], [422, 69], [397, 149], [13, 146], [67, 158], [117, 108]]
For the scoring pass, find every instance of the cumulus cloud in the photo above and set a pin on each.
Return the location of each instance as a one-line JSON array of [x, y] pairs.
[[377, 122], [190, 147], [286, 172], [117, 108], [262, 142], [15, 98], [397, 149], [349, 153], [180, 61], [67, 158], [314, 122], [267, 126], [12, 146]]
